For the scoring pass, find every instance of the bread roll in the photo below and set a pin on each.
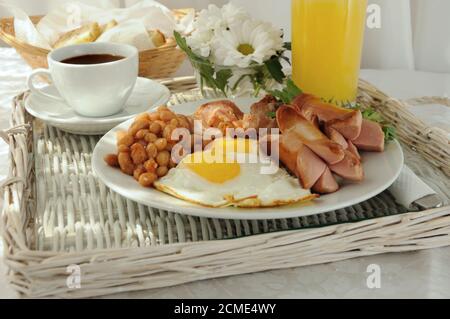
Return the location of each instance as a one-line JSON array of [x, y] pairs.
[[106, 27], [157, 37], [84, 34]]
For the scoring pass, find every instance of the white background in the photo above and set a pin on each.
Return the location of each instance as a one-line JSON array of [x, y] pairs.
[[415, 41], [415, 34]]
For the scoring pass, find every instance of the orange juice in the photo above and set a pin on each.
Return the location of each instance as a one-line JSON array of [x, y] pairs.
[[327, 38]]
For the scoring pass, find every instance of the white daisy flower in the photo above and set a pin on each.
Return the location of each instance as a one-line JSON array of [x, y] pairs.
[[212, 19], [200, 42], [215, 18], [249, 42]]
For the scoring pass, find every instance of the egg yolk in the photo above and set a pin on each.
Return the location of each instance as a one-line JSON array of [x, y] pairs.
[[221, 169]]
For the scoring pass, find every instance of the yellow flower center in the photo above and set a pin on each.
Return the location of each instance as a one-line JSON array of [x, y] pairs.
[[245, 49]]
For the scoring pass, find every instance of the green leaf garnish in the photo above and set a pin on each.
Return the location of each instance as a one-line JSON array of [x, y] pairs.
[[390, 133], [222, 78], [288, 94], [275, 69], [372, 115]]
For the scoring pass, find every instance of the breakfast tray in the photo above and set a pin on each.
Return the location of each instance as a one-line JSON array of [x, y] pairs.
[[58, 218]]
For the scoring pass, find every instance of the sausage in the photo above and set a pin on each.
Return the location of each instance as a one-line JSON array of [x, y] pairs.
[[349, 125], [346, 121], [326, 184], [336, 136], [371, 138], [290, 120], [349, 168]]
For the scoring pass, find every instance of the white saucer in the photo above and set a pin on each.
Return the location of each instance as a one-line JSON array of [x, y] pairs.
[[147, 94]]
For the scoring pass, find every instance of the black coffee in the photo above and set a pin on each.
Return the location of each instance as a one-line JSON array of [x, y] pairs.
[[93, 59]]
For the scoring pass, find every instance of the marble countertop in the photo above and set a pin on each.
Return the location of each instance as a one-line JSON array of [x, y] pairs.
[[422, 274]]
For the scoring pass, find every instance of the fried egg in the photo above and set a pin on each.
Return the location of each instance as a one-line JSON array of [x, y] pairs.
[[231, 173]]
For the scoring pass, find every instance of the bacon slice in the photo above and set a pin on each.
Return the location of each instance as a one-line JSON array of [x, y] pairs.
[[214, 113], [300, 160], [289, 120], [326, 184], [371, 138], [259, 116], [349, 168]]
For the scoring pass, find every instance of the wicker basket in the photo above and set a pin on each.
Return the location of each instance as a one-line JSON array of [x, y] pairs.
[[58, 217], [156, 63]]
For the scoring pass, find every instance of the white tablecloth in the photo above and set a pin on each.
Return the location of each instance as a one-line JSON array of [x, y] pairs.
[[416, 274]]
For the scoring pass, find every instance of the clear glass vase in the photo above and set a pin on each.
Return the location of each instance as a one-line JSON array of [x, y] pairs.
[[233, 81]]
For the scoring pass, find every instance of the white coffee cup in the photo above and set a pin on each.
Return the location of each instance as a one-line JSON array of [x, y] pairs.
[[92, 90]]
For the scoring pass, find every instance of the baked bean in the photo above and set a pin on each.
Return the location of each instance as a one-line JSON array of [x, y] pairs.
[[141, 134], [138, 171], [143, 116], [174, 122], [162, 108], [167, 132], [183, 122], [161, 144], [123, 149], [126, 140], [143, 143], [163, 158], [151, 165], [147, 179], [150, 137], [125, 163], [170, 146], [154, 117], [155, 127], [152, 151], [120, 135], [138, 154], [138, 125], [112, 160], [162, 124], [162, 171], [166, 116]]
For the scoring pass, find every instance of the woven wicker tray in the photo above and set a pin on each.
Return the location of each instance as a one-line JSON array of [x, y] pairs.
[[57, 214]]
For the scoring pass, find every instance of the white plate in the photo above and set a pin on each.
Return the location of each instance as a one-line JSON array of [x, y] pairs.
[[381, 170], [147, 94]]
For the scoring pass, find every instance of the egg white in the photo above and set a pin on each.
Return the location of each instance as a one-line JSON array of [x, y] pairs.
[[249, 189]]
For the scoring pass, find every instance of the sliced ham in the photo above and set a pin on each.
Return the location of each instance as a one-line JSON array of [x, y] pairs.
[[349, 168], [289, 120], [326, 184], [349, 125], [371, 138], [300, 160], [335, 136]]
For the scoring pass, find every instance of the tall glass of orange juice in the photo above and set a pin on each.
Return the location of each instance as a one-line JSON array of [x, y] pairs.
[[327, 39]]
